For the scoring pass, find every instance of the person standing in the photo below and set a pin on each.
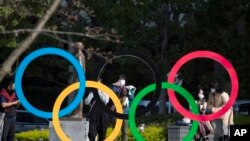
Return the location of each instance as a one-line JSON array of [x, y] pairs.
[[205, 127], [98, 119], [217, 99], [9, 103], [120, 89]]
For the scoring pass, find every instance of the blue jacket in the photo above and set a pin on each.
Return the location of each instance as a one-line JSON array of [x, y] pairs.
[[117, 91]]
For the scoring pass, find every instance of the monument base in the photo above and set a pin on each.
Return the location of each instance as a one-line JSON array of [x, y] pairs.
[[178, 132], [75, 129]]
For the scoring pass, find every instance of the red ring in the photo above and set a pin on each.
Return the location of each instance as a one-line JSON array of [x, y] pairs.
[[225, 63]]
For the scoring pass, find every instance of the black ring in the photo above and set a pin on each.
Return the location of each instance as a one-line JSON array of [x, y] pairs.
[[153, 68]]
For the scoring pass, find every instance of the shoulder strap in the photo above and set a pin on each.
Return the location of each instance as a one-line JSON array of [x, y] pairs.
[[91, 107], [214, 100]]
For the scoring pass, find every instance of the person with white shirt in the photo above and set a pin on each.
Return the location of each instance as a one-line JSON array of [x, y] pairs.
[[98, 119]]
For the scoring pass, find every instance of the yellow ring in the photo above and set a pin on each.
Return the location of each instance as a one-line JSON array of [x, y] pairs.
[[71, 88]]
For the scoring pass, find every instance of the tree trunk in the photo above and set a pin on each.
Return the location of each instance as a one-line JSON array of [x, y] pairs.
[[164, 45], [162, 102]]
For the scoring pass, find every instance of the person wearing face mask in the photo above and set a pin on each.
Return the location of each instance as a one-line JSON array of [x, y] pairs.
[[205, 127], [201, 102], [9, 104], [121, 90], [217, 99]]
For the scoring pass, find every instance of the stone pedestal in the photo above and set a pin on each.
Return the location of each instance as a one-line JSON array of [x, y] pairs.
[[75, 129], [178, 132]]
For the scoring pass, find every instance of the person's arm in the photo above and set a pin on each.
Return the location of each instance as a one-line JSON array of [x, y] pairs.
[[7, 105], [125, 102], [88, 99], [104, 97], [224, 99], [18, 104], [210, 105], [115, 88]]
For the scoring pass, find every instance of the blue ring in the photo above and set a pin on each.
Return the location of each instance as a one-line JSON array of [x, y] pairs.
[[50, 51]]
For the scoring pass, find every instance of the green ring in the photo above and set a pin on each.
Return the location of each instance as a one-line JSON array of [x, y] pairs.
[[151, 88]]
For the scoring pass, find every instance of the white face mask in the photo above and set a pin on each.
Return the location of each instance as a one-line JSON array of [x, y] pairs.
[[122, 82], [213, 90], [201, 96]]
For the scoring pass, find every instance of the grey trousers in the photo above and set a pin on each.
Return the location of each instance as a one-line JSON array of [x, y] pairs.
[[9, 129], [219, 129]]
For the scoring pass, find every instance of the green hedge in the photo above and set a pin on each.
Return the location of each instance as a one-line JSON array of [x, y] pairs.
[[155, 128], [241, 119], [35, 135], [151, 132]]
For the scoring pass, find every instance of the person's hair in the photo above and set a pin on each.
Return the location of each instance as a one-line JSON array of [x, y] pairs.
[[7, 82], [122, 76], [199, 87], [218, 87]]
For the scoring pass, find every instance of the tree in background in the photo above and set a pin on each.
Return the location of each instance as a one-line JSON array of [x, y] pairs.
[[164, 30]]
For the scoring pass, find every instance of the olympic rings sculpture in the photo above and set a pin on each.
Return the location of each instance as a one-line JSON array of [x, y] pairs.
[[91, 84], [165, 85], [82, 84], [154, 69]]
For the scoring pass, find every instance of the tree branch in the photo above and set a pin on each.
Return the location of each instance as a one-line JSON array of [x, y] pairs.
[[14, 71], [89, 34], [8, 63]]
